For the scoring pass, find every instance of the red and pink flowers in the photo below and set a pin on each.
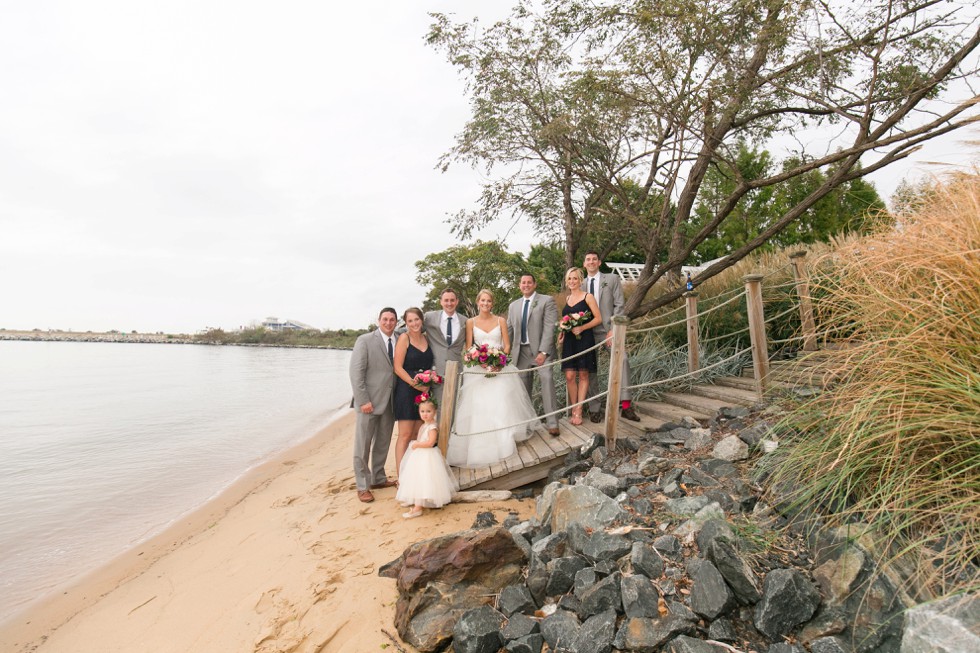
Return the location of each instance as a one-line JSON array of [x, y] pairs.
[[487, 357], [428, 378], [572, 320]]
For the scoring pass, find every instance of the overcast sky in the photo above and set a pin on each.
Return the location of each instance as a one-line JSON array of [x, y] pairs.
[[171, 166]]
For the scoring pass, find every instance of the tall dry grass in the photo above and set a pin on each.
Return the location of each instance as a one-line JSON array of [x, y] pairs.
[[896, 443]]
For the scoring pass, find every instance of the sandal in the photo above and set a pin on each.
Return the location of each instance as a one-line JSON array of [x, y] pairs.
[[576, 417], [411, 514]]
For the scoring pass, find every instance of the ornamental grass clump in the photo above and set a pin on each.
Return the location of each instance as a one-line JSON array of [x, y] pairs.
[[896, 442]]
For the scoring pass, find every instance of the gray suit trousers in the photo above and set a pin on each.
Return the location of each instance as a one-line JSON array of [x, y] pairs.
[[372, 439], [525, 360]]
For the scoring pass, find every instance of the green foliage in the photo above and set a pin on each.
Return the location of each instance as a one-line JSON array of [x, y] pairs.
[[468, 269], [605, 124], [259, 336], [852, 207]]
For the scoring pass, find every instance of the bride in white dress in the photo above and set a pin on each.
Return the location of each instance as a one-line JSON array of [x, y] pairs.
[[493, 412]]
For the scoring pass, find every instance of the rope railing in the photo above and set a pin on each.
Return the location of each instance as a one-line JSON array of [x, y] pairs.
[[710, 310]]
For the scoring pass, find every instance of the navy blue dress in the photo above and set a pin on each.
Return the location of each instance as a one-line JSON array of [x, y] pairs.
[[572, 345], [415, 361]]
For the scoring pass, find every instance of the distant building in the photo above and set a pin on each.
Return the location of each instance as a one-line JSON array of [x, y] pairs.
[[274, 324]]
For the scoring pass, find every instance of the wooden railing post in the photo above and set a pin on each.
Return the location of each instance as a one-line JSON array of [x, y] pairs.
[[693, 349], [616, 357], [806, 306], [757, 332], [449, 384]]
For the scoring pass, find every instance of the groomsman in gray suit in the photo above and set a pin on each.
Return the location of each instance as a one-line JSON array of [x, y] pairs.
[[531, 320], [608, 292], [446, 330], [372, 379]]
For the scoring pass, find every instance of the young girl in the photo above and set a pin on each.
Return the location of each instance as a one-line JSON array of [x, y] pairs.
[[424, 479]]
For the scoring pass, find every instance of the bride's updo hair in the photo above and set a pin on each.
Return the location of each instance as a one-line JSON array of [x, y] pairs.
[[574, 272], [482, 293]]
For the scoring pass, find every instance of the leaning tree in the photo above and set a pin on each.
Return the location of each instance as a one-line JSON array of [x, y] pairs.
[[609, 116]]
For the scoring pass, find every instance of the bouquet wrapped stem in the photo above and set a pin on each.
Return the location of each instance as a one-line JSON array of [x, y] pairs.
[[572, 320]]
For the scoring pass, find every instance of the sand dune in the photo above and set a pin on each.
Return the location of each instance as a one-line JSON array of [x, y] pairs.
[[286, 560]]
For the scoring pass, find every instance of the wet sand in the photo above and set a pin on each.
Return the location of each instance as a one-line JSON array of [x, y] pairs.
[[284, 560]]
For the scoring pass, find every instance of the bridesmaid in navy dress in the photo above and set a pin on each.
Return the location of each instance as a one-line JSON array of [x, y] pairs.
[[577, 370], [412, 355]]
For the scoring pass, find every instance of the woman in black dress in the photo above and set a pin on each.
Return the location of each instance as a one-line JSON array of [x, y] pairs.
[[412, 355], [580, 338]]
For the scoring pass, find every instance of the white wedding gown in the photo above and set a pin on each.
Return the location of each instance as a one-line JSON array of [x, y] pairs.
[[493, 413]]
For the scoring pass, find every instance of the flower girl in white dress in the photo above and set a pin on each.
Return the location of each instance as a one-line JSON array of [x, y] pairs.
[[425, 480]]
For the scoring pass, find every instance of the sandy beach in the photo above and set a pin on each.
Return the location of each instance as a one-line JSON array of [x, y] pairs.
[[285, 560]]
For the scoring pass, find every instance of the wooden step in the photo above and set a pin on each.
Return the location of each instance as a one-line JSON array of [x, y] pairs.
[[737, 396], [689, 401], [669, 412], [740, 382]]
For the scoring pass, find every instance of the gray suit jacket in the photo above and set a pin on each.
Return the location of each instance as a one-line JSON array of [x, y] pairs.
[[441, 352], [371, 372], [542, 317], [611, 300]]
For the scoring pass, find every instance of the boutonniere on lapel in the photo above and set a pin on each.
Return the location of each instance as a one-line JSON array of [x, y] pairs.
[[534, 303], [604, 284]]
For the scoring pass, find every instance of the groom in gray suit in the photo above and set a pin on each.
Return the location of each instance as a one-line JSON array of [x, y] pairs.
[[446, 331], [372, 379], [531, 321], [608, 292]]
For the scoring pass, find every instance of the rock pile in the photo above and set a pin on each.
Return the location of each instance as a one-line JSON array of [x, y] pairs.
[[664, 545]]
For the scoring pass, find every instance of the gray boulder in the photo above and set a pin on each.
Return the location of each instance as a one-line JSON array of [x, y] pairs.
[[530, 644], [945, 626], [560, 629], [735, 570], [604, 595], [519, 626], [829, 645], [515, 599], [478, 631], [596, 634], [641, 635], [731, 448], [686, 505], [605, 483], [698, 439], [710, 594], [640, 596], [561, 574], [598, 544], [788, 600], [646, 560], [584, 505]]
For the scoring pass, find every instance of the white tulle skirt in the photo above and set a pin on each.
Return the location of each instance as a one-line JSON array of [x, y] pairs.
[[493, 414], [425, 479]]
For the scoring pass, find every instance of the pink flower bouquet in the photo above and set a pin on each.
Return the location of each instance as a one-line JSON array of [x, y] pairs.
[[572, 320], [487, 357]]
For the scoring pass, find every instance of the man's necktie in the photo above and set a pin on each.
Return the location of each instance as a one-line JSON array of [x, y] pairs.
[[391, 351], [449, 331], [527, 302], [592, 286]]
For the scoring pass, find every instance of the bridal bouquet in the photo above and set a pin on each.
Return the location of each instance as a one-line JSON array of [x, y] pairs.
[[487, 357], [428, 378], [572, 320]]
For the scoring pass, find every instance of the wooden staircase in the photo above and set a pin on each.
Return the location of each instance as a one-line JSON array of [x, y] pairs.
[[537, 455]]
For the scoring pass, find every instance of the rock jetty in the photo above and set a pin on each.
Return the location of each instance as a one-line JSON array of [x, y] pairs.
[[667, 544]]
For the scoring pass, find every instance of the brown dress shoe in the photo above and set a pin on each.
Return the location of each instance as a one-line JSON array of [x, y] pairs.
[[387, 483], [554, 432], [630, 414], [596, 417], [365, 496]]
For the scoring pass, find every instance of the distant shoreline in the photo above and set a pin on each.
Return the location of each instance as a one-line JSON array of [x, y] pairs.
[[145, 338]]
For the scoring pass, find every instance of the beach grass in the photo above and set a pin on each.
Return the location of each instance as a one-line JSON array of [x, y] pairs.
[[896, 443]]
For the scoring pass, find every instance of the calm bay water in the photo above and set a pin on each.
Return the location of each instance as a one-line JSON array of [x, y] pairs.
[[102, 445]]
